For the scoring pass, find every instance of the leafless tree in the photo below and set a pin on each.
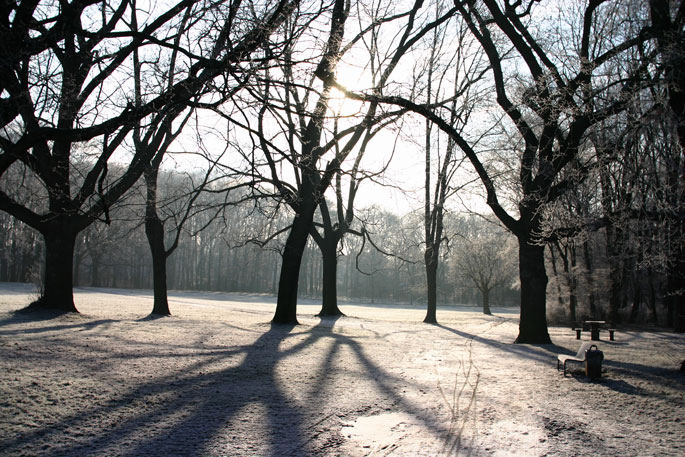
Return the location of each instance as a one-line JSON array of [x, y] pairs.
[[301, 112], [65, 83], [668, 20], [455, 60], [485, 259], [550, 111]]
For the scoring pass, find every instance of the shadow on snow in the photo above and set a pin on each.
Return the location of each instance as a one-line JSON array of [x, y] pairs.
[[199, 406]]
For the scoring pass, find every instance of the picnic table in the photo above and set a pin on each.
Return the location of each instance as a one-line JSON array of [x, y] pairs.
[[595, 327]]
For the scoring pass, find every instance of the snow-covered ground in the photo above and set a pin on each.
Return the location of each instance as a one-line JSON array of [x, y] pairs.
[[216, 379]]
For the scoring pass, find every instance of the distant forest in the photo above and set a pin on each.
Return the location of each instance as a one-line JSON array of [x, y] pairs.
[[227, 249]]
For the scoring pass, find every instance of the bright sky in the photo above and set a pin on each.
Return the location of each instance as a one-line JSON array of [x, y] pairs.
[[401, 189]]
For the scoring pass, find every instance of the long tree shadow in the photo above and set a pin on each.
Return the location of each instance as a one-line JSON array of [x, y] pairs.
[[538, 352], [664, 376], [73, 321], [201, 405], [189, 411], [389, 385], [223, 394], [669, 377]]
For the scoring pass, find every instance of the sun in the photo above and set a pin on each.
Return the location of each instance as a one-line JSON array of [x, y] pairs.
[[354, 78], [342, 106]]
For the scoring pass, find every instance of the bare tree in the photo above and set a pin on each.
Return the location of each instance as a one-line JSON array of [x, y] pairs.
[[335, 226], [61, 65], [301, 111], [154, 143], [668, 19], [550, 112], [466, 65], [337, 221], [485, 259]]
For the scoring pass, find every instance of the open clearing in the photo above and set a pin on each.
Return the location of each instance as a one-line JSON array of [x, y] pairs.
[[217, 379]]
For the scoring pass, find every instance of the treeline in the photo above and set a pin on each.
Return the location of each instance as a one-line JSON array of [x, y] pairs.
[[231, 250]]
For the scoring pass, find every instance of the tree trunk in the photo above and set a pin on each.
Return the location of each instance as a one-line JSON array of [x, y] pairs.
[[431, 285], [485, 292], [651, 299], [329, 292], [154, 230], [94, 268], [560, 297], [589, 278], [572, 285], [637, 299], [286, 304], [533, 321], [58, 279]]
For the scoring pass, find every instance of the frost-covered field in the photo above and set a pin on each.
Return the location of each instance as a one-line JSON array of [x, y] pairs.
[[216, 379]]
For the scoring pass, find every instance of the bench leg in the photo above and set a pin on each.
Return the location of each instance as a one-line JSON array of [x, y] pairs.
[[611, 335], [578, 334], [594, 334]]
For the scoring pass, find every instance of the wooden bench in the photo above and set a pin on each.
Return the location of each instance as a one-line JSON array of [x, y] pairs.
[[562, 359]]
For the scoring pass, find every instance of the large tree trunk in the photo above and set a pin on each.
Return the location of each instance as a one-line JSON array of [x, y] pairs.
[[431, 285], [286, 304], [329, 292], [533, 321], [58, 279], [154, 230], [485, 292]]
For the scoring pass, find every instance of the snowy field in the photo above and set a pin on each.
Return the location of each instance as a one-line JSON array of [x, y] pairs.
[[216, 379]]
